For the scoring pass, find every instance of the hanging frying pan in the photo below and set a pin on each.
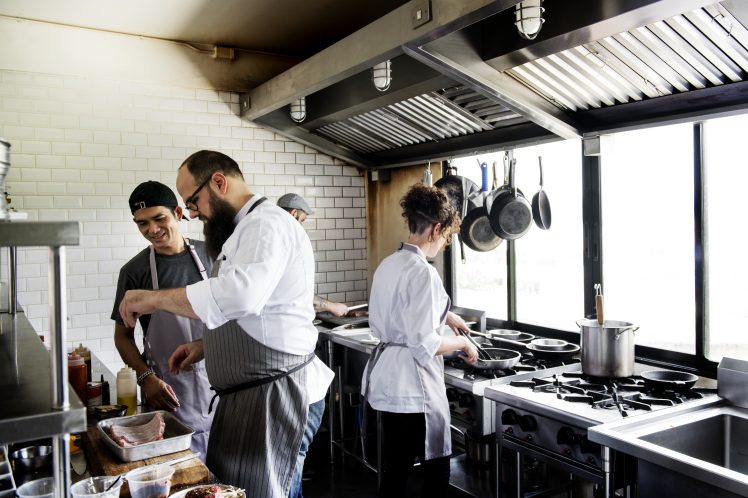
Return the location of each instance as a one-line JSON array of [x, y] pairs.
[[461, 193], [541, 206], [511, 213], [475, 229]]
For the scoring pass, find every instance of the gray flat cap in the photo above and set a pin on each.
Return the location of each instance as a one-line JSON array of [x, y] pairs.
[[294, 201]]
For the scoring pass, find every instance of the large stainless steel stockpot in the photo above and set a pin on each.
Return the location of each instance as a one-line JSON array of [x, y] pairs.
[[607, 350]]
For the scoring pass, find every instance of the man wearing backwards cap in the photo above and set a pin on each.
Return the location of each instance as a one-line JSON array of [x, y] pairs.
[[170, 261], [299, 209]]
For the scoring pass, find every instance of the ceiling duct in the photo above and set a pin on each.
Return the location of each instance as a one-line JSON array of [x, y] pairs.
[[466, 83]]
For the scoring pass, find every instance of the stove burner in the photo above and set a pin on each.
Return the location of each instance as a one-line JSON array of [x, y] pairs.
[[624, 395], [527, 363]]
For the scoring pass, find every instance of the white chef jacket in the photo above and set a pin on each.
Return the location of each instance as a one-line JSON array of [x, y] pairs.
[[266, 284], [406, 306]]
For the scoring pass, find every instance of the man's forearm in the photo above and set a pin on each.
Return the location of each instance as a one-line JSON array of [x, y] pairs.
[[174, 301]]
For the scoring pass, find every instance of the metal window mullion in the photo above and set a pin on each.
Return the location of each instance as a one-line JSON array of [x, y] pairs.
[[648, 78], [724, 42], [705, 47], [581, 58], [540, 87], [564, 62], [692, 57], [676, 64], [652, 60], [615, 66], [701, 246], [592, 228]]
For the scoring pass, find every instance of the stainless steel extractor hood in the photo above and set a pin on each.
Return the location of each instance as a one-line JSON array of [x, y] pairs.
[[464, 81]]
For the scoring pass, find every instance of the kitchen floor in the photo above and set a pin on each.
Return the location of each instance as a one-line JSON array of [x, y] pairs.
[[346, 477]]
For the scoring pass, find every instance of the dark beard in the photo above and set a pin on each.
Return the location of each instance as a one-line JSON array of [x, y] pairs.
[[219, 227]]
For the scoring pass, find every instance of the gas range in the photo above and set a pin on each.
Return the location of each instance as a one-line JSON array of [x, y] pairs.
[[469, 408], [547, 417]]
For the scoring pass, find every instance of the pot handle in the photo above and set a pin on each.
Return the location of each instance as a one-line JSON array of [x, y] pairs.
[[632, 329]]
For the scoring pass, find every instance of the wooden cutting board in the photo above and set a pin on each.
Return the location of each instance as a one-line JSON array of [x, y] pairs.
[[101, 461]]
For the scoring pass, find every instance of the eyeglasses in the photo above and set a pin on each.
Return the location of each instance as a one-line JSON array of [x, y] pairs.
[[191, 202]]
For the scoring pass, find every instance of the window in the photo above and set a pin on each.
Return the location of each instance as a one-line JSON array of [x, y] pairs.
[[726, 186], [549, 262], [648, 226]]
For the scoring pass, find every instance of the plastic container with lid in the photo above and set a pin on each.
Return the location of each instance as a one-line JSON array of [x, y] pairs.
[[127, 389], [77, 375], [85, 353]]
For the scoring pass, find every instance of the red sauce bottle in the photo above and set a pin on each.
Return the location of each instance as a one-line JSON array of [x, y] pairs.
[[77, 375]]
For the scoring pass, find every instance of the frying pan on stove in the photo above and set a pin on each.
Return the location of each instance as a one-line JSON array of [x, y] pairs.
[[500, 359], [669, 379], [568, 351]]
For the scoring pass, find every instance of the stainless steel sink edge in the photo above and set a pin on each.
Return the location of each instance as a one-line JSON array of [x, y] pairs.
[[624, 436]]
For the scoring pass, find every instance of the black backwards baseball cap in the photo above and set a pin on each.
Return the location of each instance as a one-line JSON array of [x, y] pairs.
[[151, 194]]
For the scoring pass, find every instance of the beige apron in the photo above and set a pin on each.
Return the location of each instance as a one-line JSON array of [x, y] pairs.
[[166, 332], [431, 377], [262, 410]]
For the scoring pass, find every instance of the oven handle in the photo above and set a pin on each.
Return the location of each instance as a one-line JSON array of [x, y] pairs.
[[457, 430]]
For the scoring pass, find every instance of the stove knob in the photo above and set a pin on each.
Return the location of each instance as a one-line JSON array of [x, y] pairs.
[[566, 436], [509, 417], [527, 423]]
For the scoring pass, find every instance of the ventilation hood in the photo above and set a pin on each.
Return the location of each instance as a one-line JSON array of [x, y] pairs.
[[464, 81]]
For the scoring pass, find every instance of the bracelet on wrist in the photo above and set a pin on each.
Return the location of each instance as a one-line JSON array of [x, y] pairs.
[[144, 376]]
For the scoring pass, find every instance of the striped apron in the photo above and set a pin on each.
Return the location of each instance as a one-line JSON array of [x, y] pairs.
[[262, 410]]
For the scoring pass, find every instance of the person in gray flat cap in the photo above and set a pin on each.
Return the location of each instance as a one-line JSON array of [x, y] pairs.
[[300, 210]]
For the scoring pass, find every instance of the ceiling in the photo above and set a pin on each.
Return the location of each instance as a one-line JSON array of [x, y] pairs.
[[289, 28]]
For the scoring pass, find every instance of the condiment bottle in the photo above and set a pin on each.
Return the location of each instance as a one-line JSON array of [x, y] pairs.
[[104, 391], [127, 393], [77, 375], [86, 354]]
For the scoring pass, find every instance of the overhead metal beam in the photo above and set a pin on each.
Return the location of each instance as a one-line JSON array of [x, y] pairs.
[[567, 26], [280, 122], [456, 56], [677, 108], [357, 95], [487, 141], [374, 43]]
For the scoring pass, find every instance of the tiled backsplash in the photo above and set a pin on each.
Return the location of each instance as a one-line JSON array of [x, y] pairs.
[[79, 147]]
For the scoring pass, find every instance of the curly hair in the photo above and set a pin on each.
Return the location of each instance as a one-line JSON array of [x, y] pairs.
[[423, 206]]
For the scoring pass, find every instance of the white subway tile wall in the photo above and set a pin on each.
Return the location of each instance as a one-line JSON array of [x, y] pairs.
[[78, 148]]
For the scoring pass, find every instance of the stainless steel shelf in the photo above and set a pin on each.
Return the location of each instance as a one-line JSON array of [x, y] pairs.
[[39, 233], [25, 389]]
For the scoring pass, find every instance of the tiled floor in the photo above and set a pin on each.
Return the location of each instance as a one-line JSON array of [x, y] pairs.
[[346, 477]]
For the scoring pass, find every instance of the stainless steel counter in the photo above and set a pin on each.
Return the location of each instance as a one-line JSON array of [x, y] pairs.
[[25, 411]]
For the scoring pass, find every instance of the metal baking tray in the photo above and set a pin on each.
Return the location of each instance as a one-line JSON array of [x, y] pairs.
[[177, 437]]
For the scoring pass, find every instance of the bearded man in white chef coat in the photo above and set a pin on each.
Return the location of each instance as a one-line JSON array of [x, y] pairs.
[[259, 346]]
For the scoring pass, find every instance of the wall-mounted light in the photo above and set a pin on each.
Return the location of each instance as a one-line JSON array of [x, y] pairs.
[[381, 75], [528, 17], [298, 110]]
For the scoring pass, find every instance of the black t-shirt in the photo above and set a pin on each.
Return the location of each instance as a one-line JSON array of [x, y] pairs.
[[174, 270]]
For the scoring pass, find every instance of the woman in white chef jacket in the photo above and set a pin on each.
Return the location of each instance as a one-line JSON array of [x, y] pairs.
[[404, 378]]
